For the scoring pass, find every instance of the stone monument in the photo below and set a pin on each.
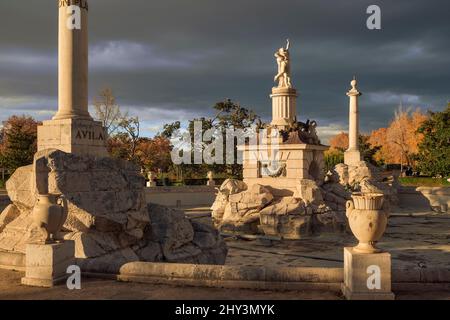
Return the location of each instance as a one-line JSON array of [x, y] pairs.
[[210, 177], [283, 96], [72, 129], [109, 221], [352, 156], [279, 195]]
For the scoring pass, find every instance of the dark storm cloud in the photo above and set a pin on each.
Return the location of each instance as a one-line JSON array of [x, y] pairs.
[[175, 58]]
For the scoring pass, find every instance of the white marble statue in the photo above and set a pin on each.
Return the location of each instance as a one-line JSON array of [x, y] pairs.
[[284, 67]]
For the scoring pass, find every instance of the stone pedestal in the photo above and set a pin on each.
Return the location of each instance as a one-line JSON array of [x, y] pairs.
[[46, 264], [151, 184], [283, 106], [296, 162], [367, 276], [80, 137], [352, 157]]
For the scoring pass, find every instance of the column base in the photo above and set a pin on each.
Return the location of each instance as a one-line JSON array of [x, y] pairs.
[[367, 276], [352, 157], [86, 116], [76, 136]]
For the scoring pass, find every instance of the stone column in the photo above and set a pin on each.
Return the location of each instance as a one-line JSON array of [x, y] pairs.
[[72, 62], [72, 129], [352, 156], [283, 106]]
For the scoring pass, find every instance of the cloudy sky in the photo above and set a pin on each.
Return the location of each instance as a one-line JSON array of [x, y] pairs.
[[173, 59]]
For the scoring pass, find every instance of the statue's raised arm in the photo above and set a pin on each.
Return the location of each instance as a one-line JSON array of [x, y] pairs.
[[283, 77]]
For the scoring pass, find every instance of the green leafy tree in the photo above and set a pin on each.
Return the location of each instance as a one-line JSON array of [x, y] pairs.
[[367, 150], [228, 115], [433, 157]]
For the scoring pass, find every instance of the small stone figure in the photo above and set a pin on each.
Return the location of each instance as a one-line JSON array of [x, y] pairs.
[[151, 179], [211, 181], [284, 67]]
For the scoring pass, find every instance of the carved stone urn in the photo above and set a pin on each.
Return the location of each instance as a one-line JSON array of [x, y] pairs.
[[50, 214], [367, 216]]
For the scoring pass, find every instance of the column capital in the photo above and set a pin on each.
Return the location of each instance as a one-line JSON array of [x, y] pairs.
[[83, 4], [354, 91]]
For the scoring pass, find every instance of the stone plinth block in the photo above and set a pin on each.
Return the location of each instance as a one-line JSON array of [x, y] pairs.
[[352, 157], [46, 264], [367, 276], [79, 137], [151, 184]]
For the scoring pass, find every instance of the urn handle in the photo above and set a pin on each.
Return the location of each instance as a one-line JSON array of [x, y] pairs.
[[62, 201], [349, 206]]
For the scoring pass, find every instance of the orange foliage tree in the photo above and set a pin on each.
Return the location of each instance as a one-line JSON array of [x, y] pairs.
[[399, 142], [154, 154], [339, 142]]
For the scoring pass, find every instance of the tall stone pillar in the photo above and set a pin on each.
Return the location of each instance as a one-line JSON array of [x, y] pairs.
[[72, 63], [72, 129], [352, 156], [284, 106]]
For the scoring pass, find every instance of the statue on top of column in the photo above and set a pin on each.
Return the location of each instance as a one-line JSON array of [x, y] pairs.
[[284, 67]]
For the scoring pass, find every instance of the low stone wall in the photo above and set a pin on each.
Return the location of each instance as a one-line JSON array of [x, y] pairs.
[[265, 278], [183, 196]]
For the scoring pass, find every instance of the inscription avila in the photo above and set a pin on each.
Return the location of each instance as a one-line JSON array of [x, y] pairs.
[[89, 135], [83, 4]]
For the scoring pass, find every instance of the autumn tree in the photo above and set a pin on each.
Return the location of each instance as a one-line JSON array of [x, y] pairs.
[[434, 149], [118, 146], [123, 130], [339, 142], [19, 142], [153, 154], [398, 143], [131, 127], [108, 111]]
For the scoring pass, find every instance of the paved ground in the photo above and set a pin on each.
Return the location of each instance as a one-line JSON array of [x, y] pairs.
[[415, 239], [96, 289], [11, 289]]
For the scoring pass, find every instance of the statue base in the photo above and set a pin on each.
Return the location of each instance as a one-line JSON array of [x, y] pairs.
[[46, 264], [293, 163], [283, 106]]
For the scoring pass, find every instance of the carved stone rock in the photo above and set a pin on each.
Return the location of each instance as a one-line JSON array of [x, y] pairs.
[[108, 217]]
